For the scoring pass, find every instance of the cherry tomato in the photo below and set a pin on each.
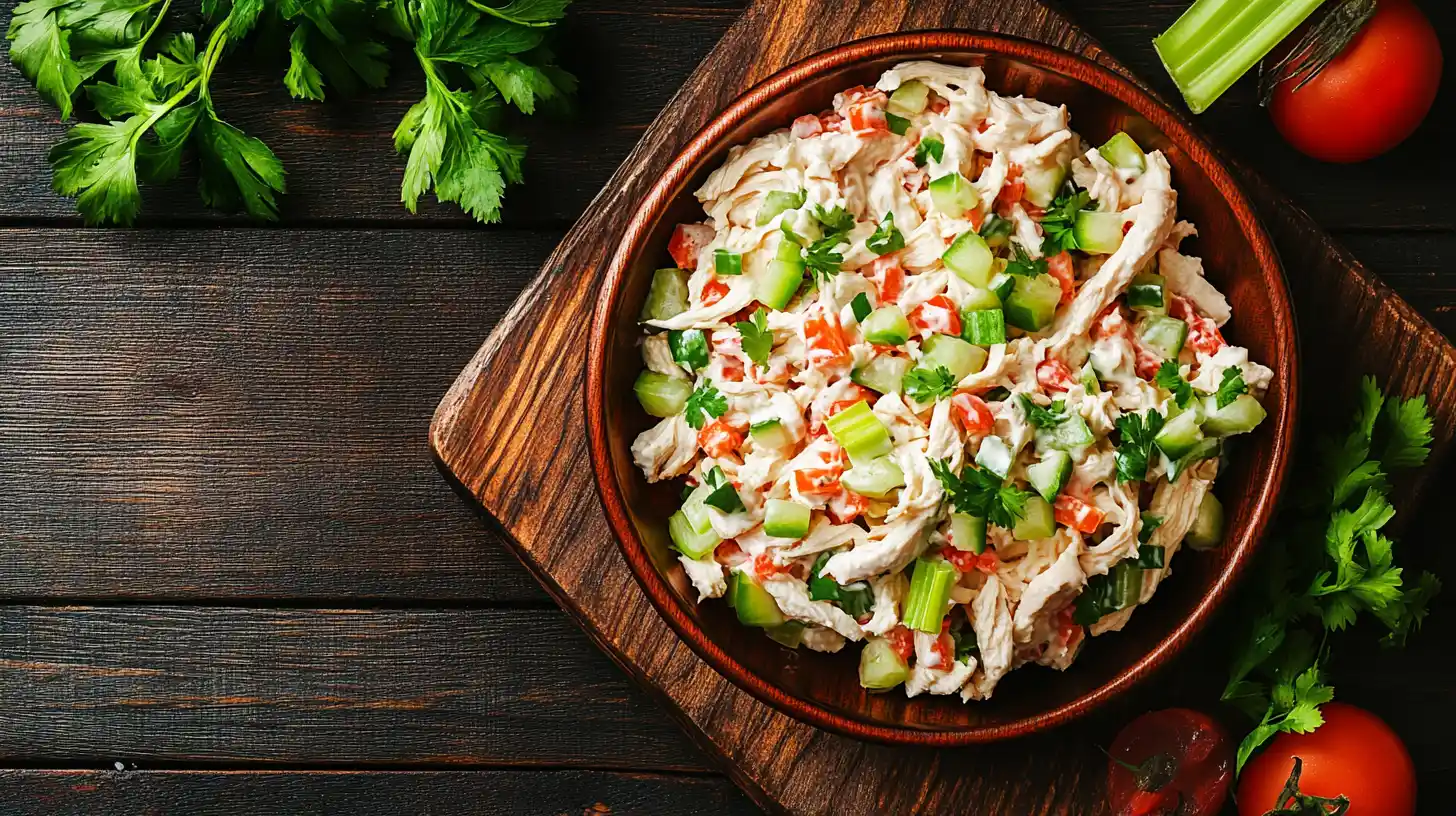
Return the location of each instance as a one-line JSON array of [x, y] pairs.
[[1370, 97], [1175, 761], [1354, 754]]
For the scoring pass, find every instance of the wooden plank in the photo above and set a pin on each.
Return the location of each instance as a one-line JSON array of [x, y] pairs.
[[366, 793], [333, 686], [486, 429]]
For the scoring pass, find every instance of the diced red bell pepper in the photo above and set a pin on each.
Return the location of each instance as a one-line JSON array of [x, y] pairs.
[[945, 646], [713, 291], [1071, 511], [1054, 375], [825, 339], [1060, 267], [1011, 192], [939, 314], [889, 278], [902, 640], [718, 438], [687, 243], [977, 218], [972, 414]]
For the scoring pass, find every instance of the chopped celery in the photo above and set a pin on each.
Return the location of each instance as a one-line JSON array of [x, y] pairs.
[[780, 282], [1240, 416], [1089, 380], [1032, 303], [874, 479], [1123, 153], [985, 327], [1216, 41], [862, 435], [662, 396], [690, 542], [881, 667], [727, 262], [959, 357], [1050, 475], [971, 259], [778, 201], [910, 98], [689, 347], [929, 597], [952, 194], [968, 533], [1037, 523], [886, 326], [667, 296], [771, 433], [785, 519], [1206, 531], [883, 374]]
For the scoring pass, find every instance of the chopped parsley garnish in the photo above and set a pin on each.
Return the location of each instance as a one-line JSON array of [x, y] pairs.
[[722, 494], [1136, 447], [861, 307], [855, 599], [1231, 386], [933, 148], [836, 220], [1043, 417], [1056, 225], [822, 258], [757, 339], [926, 385], [1023, 264], [996, 227], [886, 238], [1169, 377], [704, 400], [979, 492], [1151, 523], [964, 638]]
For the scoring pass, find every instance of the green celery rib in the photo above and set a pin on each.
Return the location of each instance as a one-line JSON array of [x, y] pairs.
[[1217, 41]]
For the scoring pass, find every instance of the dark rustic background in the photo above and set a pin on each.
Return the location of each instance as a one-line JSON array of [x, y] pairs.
[[226, 561]]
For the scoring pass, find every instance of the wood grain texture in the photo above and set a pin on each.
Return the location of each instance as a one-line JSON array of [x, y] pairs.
[[333, 687], [499, 432], [351, 793]]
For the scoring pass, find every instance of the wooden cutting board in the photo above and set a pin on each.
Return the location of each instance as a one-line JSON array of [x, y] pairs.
[[510, 433]]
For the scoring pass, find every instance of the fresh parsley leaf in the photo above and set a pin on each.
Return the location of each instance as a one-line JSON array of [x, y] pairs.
[[1151, 523], [1136, 445], [1057, 225], [757, 339], [925, 385], [886, 237], [1169, 377], [41, 49], [1230, 387], [1043, 417], [963, 636], [1022, 264], [822, 259], [996, 227], [979, 492], [835, 220], [855, 599], [527, 12], [705, 399], [1407, 433], [931, 148], [237, 170]]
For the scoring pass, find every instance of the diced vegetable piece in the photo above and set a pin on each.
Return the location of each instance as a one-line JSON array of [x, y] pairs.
[[667, 296], [959, 357], [1123, 153], [789, 634], [995, 456], [1043, 183], [1098, 233], [771, 434], [1217, 41], [778, 284], [874, 479], [1002, 285], [881, 667], [695, 509], [1240, 416], [689, 347], [1089, 381], [910, 98], [661, 395], [979, 299], [929, 148], [862, 435], [929, 597], [1127, 584], [1050, 475], [985, 327], [730, 595], [785, 519], [778, 201], [689, 542], [887, 326], [722, 494], [861, 307], [1147, 293], [952, 194], [968, 533], [1207, 529], [755, 607], [1163, 334], [1151, 556], [897, 124], [971, 259], [855, 599], [1069, 434], [1039, 522], [727, 262], [1032, 303], [1180, 435], [883, 374], [996, 230]]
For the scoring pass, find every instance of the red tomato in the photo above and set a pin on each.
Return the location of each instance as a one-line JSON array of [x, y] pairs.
[[1175, 761], [713, 291], [1071, 511], [1370, 97], [972, 414], [939, 314], [902, 641], [1354, 754]]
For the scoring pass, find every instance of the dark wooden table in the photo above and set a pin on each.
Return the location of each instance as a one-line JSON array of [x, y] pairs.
[[231, 580]]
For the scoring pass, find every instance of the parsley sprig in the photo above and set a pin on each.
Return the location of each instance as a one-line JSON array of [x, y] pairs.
[[1056, 226], [757, 339], [1169, 377], [981, 493], [926, 385], [886, 238], [1023, 264], [1231, 386], [1043, 417], [705, 399], [1135, 448]]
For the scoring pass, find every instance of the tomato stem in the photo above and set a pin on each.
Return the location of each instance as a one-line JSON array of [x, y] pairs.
[[1316, 48], [1294, 803]]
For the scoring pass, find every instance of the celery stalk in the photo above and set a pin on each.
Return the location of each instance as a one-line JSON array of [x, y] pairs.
[[1217, 41]]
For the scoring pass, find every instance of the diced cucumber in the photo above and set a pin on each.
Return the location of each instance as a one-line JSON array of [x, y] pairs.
[[994, 455], [961, 358], [1043, 183], [755, 607], [689, 542], [789, 634], [929, 597], [886, 326], [1089, 380], [1070, 434], [1146, 293], [881, 667], [689, 347], [727, 262], [968, 533], [884, 374], [695, 509], [1206, 531], [1240, 416], [979, 299], [1180, 435], [862, 435], [996, 230], [1123, 153], [1210, 447], [952, 194], [771, 433], [970, 259], [1127, 584], [1164, 334], [778, 201], [874, 479], [985, 327], [1002, 285], [1038, 523], [778, 284], [1032, 303], [910, 98], [662, 396], [1098, 233], [667, 296], [1050, 475]]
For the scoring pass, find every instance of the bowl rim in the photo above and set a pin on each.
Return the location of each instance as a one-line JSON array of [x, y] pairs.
[[909, 45]]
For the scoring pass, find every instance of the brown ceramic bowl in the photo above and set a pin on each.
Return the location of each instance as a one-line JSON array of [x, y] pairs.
[[821, 689]]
